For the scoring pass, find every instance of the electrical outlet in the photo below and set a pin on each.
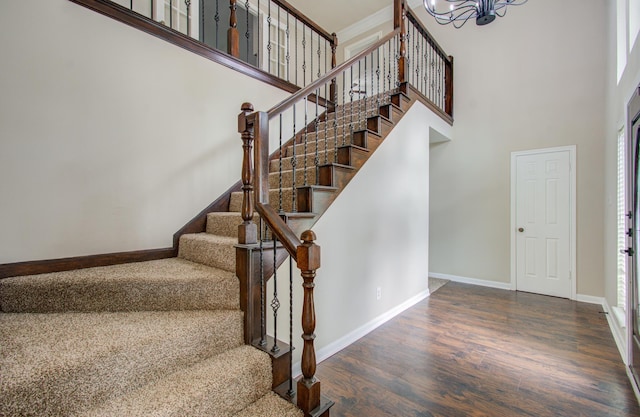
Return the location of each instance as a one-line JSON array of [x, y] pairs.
[[378, 293]]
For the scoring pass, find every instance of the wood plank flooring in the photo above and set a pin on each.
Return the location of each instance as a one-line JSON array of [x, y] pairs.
[[475, 351]]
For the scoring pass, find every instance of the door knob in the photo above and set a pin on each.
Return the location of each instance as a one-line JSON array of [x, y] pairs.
[[521, 229]]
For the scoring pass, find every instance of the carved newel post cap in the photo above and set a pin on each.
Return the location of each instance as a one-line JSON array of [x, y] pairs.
[[308, 236], [247, 107]]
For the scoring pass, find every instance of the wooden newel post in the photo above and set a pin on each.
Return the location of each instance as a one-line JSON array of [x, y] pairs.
[[233, 38], [448, 82], [333, 88], [308, 259], [247, 231], [400, 21]]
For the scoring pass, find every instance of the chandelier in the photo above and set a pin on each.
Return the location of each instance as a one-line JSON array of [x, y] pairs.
[[459, 11]]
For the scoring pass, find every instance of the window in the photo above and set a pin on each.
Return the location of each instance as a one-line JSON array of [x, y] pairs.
[[622, 229]]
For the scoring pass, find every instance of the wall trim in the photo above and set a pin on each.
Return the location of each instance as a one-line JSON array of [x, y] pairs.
[[353, 336], [616, 331], [82, 262], [590, 299], [473, 281]]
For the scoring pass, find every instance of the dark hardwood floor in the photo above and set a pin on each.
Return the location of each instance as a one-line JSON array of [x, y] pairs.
[[475, 351]]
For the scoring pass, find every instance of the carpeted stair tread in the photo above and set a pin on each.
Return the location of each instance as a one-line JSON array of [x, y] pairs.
[[209, 249], [220, 386], [166, 284], [57, 364], [271, 405], [225, 223]]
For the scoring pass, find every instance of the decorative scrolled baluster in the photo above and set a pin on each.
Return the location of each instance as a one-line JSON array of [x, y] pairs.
[[247, 34], [233, 38], [187, 3], [216, 19], [247, 231], [308, 261]]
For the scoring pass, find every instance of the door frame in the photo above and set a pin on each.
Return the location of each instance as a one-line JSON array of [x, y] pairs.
[[572, 211]]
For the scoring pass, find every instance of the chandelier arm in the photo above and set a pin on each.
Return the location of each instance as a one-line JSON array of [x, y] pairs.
[[462, 10]]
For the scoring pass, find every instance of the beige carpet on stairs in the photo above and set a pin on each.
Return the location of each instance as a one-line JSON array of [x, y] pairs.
[[159, 338]]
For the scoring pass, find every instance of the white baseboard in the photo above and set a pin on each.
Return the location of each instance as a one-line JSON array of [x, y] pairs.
[[474, 281], [337, 345], [590, 299], [616, 331]]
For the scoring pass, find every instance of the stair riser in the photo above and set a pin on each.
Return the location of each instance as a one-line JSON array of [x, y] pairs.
[[274, 165], [225, 225], [235, 203], [287, 178], [217, 255]]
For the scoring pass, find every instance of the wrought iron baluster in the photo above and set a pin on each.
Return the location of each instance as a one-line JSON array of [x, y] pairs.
[[304, 58], [247, 34], [280, 206], [389, 72], [306, 124], [216, 19], [290, 392], [188, 4], [424, 66], [378, 75], [296, 67], [263, 301], [396, 57], [316, 159], [365, 93], [344, 109], [278, 45], [326, 122], [360, 118], [288, 55], [202, 14], [326, 57], [311, 53], [275, 302], [171, 14], [335, 123], [294, 163], [371, 88], [269, 38], [319, 61], [351, 106]]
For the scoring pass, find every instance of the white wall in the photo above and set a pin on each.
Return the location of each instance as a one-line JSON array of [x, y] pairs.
[[533, 79], [110, 139], [375, 234]]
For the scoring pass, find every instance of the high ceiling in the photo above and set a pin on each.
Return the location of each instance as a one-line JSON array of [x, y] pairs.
[[335, 15]]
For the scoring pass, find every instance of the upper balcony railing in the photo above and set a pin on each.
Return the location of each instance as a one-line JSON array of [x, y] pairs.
[[268, 39]]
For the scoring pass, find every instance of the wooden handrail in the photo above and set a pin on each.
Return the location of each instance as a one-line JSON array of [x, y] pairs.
[[304, 92]]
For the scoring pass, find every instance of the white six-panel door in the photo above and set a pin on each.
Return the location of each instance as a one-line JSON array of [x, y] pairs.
[[543, 222]]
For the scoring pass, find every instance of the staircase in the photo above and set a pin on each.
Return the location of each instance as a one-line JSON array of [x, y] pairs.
[[166, 337]]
